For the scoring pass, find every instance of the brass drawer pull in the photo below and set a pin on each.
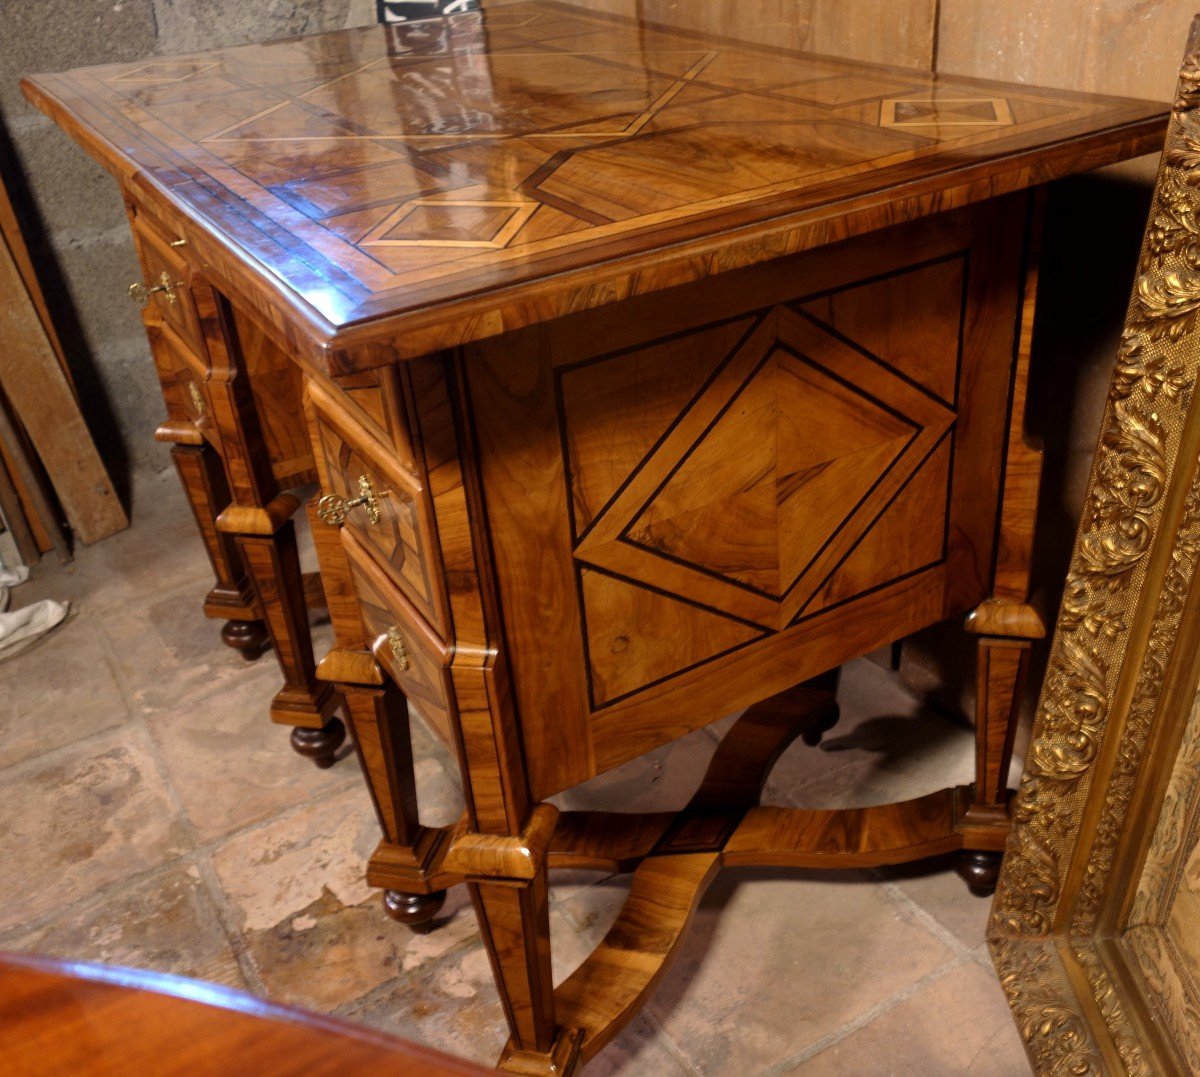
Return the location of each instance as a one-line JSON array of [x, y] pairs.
[[332, 508], [140, 294], [398, 646], [197, 399]]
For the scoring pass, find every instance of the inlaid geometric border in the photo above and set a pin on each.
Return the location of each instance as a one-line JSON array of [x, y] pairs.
[[612, 521], [1000, 107], [368, 264]]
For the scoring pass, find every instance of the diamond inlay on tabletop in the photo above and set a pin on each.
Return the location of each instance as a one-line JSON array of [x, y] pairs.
[[934, 110], [434, 223], [551, 135]]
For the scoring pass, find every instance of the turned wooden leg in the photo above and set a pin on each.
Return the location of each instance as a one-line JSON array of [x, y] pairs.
[[825, 716], [415, 911], [249, 638], [319, 745], [1000, 682], [232, 595], [980, 871], [274, 566]]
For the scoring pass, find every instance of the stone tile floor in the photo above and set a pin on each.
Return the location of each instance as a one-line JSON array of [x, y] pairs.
[[155, 818]]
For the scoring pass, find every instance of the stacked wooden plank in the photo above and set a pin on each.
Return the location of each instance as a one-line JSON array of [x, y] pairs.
[[51, 476]]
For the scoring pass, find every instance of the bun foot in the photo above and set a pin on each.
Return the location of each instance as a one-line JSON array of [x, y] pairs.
[[415, 910], [825, 721], [981, 871], [247, 637], [319, 745]]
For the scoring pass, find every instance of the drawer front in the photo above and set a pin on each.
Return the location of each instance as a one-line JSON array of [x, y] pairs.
[[183, 376], [378, 398], [163, 264], [400, 536], [403, 643]]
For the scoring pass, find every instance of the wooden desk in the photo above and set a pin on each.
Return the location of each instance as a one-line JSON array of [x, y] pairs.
[[649, 377]]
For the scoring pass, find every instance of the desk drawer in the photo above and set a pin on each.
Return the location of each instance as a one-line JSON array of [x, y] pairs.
[[395, 527], [163, 266], [184, 379], [402, 642]]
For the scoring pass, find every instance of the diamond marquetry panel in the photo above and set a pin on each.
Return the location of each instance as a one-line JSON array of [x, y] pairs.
[[544, 132], [761, 486], [904, 539], [628, 402], [742, 483], [760, 515]]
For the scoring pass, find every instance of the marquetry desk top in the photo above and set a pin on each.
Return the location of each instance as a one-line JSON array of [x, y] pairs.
[[433, 183]]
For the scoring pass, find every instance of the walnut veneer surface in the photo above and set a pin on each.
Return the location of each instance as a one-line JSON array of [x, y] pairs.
[[648, 377], [385, 172]]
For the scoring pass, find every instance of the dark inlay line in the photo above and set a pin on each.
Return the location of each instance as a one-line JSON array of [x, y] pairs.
[[758, 318], [870, 526]]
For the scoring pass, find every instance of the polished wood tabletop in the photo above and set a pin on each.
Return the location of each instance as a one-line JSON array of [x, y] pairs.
[[480, 173], [71, 1017]]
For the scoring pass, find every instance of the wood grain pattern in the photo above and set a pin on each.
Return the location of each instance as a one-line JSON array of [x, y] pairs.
[[515, 921], [608, 989], [747, 495], [574, 138], [59, 1017], [35, 384]]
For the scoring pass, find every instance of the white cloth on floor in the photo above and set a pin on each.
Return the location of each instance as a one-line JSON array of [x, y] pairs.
[[21, 626]]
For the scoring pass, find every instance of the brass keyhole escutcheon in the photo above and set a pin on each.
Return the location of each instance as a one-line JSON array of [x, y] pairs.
[[197, 398], [398, 646], [140, 294], [333, 509]]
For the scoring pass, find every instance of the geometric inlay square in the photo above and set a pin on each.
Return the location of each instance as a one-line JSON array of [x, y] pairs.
[[937, 111], [780, 471], [762, 487], [427, 222]]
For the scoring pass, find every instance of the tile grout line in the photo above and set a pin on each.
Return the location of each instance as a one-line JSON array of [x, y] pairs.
[[208, 880], [669, 1045], [926, 918], [147, 874], [863, 1019]]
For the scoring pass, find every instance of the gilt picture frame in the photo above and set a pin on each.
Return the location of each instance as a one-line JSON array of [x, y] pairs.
[[1095, 927]]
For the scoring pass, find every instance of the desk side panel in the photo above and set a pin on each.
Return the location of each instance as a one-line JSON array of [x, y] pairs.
[[698, 501]]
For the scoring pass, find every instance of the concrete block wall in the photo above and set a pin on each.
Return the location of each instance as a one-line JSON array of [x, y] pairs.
[[75, 222]]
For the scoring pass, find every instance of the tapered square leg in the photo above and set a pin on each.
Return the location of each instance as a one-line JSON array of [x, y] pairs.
[[1000, 684], [304, 702], [232, 596], [380, 731], [514, 921]]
